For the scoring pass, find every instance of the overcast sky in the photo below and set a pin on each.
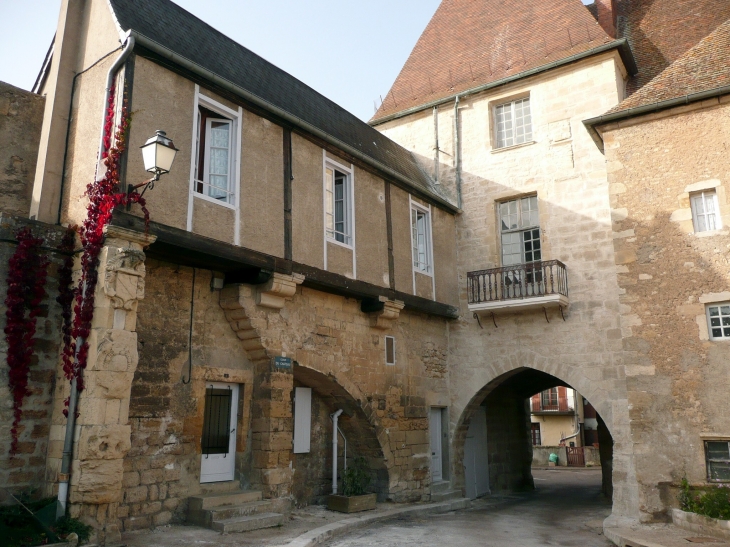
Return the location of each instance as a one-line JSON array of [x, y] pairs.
[[348, 50]]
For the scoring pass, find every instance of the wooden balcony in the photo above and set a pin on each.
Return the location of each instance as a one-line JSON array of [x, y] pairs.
[[521, 286]]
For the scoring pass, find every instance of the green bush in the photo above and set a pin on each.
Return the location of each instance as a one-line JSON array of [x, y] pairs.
[[356, 478], [66, 525], [711, 501]]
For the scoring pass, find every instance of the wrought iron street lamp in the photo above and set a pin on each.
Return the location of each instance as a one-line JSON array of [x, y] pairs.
[[158, 153]]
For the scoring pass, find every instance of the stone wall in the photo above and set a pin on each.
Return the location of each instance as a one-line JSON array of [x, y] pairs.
[[566, 171], [21, 116], [336, 352], [677, 378], [25, 472]]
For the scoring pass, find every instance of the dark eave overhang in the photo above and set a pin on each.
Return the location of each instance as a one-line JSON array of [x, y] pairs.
[[244, 265], [214, 78], [45, 67], [593, 123], [622, 45]]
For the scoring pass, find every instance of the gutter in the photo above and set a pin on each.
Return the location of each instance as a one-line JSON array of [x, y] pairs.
[[591, 123], [177, 59], [622, 45]]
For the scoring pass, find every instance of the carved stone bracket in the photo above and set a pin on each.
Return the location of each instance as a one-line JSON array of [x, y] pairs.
[[233, 301], [275, 292], [383, 312]]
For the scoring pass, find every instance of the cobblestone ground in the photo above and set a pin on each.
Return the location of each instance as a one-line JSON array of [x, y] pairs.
[[566, 509]]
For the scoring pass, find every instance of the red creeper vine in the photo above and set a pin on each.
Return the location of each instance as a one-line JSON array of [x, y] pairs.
[[26, 280], [104, 196]]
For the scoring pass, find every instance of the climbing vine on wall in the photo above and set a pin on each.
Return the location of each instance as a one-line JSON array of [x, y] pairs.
[[104, 195], [27, 272], [65, 299]]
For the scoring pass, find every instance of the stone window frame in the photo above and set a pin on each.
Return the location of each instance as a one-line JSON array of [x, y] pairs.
[[709, 194], [709, 461], [390, 362], [494, 125], [721, 316], [684, 214]]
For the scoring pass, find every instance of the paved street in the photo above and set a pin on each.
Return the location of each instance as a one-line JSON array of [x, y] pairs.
[[566, 509]]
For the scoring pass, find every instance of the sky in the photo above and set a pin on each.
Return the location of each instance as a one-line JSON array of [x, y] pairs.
[[349, 50]]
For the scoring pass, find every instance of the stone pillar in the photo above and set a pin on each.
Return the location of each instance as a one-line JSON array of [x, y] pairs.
[[102, 428], [272, 424]]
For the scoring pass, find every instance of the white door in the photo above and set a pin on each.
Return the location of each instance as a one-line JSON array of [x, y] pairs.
[[218, 443], [435, 426], [476, 464]]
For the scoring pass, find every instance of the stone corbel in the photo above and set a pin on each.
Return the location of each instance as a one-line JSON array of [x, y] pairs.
[[383, 312], [277, 289]]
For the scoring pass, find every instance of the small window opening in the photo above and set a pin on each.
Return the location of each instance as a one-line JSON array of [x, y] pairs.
[[214, 159], [389, 350]]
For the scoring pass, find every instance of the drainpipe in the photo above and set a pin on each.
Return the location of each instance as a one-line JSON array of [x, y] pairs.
[[129, 46], [457, 153], [334, 449], [65, 473], [436, 144]]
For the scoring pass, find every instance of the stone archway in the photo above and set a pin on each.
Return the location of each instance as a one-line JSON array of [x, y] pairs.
[[313, 472], [514, 386]]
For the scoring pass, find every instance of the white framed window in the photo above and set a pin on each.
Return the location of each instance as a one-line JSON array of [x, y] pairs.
[[717, 459], [705, 211], [718, 320], [390, 350], [338, 204], [519, 221], [215, 155], [512, 123], [421, 238]]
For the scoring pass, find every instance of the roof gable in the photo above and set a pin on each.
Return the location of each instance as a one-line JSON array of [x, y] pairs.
[[703, 68], [469, 43], [164, 23]]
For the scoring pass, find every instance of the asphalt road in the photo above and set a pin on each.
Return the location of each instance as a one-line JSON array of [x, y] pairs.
[[566, 509]]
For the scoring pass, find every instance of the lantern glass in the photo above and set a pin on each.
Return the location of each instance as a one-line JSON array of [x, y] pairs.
[[158, 153]]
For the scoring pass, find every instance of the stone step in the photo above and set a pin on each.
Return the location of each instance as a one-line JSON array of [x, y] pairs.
[[445, 496], [248, 523], [440, 486], [210, 501], [243, 510]]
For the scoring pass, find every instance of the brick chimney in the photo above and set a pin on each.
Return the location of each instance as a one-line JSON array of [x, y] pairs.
[[606, 16]]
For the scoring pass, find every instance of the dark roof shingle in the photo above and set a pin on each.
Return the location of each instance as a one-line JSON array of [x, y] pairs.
[[703, 68], [469, 43], [184, 34]]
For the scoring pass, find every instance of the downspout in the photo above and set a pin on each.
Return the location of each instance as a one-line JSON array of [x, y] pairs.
[[68, 442], [457, 152], [334, 449], [436, 144]]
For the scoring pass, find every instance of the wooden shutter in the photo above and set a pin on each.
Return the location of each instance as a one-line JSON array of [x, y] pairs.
[[302, 419]]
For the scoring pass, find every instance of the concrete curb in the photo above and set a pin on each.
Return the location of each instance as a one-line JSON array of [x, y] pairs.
[[346, 526]]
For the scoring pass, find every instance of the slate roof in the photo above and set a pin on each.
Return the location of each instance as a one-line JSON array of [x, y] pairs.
[[184, 34], [703, 68], [469, 43]]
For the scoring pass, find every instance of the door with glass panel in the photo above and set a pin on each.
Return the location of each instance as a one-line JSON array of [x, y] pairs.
[[521, 248], [218, 441]]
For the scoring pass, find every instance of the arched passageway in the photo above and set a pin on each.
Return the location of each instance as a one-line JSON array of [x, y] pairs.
[[312, 480], [493, 441]]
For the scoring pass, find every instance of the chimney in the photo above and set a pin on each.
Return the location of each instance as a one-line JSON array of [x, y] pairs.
[[606, 16]]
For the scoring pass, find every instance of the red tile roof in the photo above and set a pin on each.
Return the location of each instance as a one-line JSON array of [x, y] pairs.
[[661, 31], [703, 68], [469, 43]]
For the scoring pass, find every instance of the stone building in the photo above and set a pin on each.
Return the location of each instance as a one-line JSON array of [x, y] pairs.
[[425, 274]]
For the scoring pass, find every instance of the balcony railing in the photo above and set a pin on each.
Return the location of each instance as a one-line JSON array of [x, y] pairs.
[[513, 286]]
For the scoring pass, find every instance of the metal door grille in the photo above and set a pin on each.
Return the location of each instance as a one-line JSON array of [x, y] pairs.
[[217, 421]]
